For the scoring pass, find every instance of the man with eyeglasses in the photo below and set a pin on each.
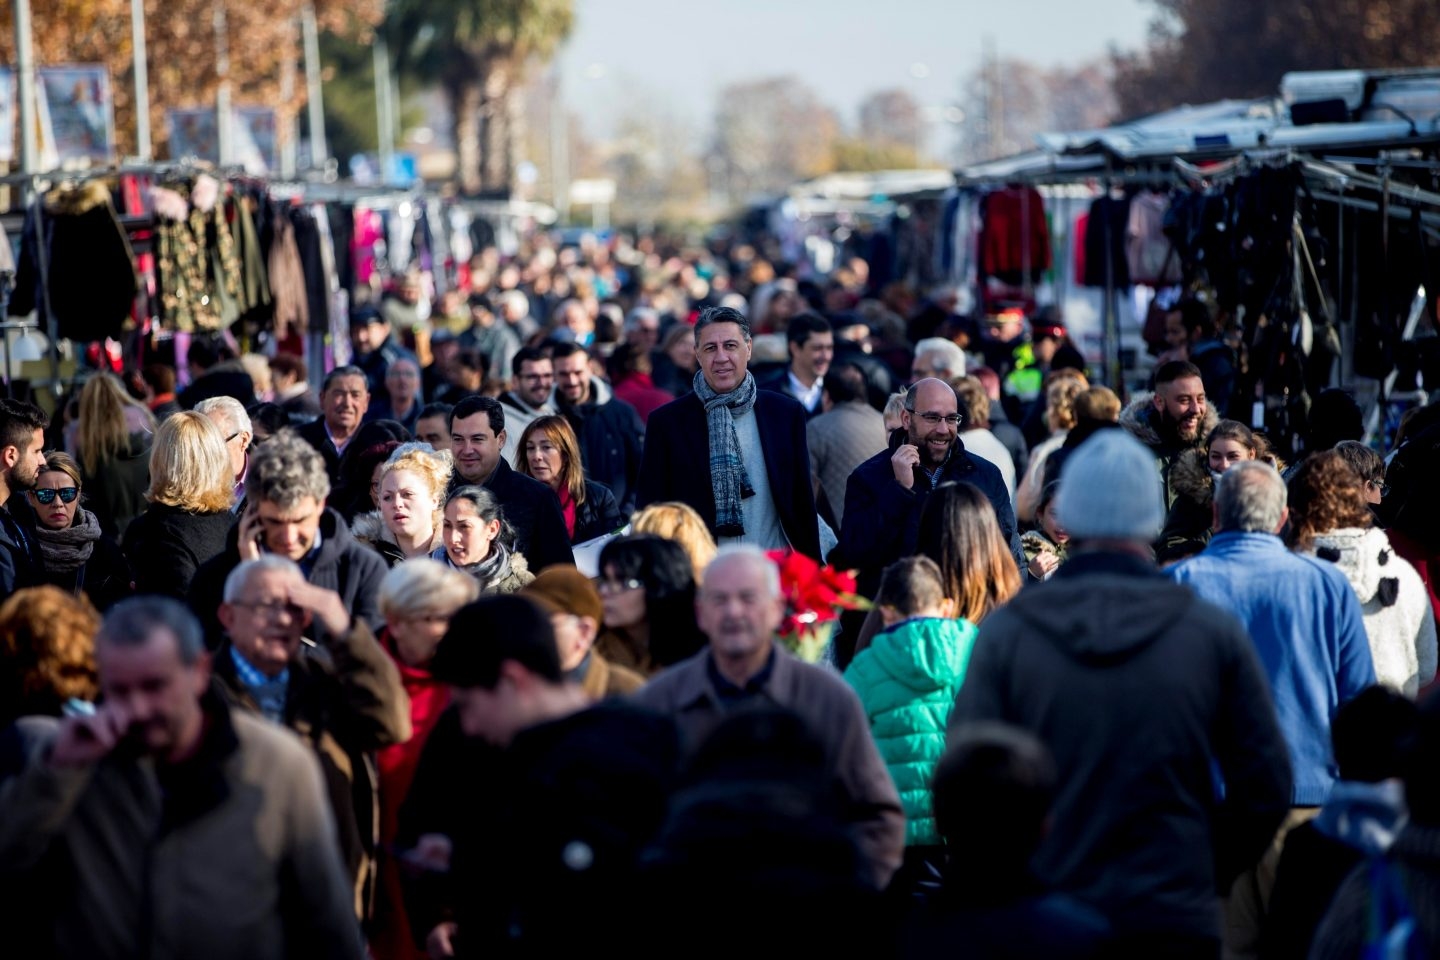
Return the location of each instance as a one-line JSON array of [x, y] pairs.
[[886, 494], [345, 701], [530, 397], [227, 414]]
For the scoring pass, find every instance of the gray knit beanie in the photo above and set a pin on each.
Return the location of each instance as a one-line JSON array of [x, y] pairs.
[[1110, 490]]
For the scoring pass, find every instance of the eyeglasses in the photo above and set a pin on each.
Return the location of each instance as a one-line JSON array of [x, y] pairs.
[[618, 586], [47, 496], [270, 608], [1380, 486], [934, 419]]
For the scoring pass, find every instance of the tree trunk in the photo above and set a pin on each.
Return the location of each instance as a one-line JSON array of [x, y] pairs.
[[466, 103], [497, 140]]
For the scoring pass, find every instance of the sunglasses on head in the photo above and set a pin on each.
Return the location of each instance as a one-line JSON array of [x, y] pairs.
[[47, 496]]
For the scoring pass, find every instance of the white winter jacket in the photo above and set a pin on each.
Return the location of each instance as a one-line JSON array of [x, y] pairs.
[[1399, 622]]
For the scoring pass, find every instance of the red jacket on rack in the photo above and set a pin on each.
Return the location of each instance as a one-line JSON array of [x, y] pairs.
[[1015, 234]]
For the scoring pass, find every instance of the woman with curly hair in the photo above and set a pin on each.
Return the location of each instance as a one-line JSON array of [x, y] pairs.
[[47, 652], [1330, 519], [192, 488], [412, 497], [549, 452], [79, 557], [112, 445]]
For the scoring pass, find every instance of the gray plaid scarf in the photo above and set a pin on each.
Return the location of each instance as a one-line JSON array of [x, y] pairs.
[[728, 478]]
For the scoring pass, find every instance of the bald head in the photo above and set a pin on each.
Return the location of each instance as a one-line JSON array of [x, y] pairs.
[[931, 419]]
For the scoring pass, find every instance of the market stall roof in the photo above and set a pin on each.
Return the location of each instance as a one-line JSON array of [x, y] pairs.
[[1336, 110]]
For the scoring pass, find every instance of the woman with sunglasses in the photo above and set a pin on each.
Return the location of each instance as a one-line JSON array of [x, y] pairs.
[[79, 558]]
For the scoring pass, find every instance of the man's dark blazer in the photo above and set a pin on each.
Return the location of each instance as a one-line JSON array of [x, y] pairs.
[[778, 381], [533, 511], [676, 464], [314, 434]]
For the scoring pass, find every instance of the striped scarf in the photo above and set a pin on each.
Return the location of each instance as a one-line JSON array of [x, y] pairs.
[[728, 478]]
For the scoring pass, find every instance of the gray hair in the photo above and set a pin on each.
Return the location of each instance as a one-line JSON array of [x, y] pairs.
[[948, 355], [286, 470], [339, 373], [132, 622], [754, 554], [1250, 498], [722, 315], [239, 578], [632, 322], [422, 586], [230, 410]]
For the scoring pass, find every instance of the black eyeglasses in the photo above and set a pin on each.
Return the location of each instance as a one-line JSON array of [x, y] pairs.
[[934, 419], [47, 496]]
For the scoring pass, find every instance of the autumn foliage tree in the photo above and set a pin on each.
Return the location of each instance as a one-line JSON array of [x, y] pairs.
[[180, 38], [1203, 50]]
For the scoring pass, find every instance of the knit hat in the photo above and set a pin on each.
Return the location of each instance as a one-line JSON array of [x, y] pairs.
[[1110, 490], [565, 590]]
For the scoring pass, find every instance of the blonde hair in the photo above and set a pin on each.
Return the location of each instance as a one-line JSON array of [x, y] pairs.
[[433, 466], [258, 367], [189, 465], [62, 462], [1060, 396], [103, 432], [559, 432], [679, 522], [423, 586], [894, 406]]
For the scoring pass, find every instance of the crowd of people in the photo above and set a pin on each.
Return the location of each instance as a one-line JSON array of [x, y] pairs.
[[474, 647]]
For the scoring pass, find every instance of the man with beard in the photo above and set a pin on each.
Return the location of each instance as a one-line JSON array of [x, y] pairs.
[[1173, 419], [886, 494], [22, 457]]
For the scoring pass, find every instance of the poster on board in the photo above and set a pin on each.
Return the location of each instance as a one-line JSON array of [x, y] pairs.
[[193, 134], [77, 115], [256, 146]]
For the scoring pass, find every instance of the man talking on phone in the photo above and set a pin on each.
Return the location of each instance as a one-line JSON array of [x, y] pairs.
[[166, 824], [886, 494]]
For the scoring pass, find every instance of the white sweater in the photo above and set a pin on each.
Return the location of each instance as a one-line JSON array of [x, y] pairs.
[[1402, 631]]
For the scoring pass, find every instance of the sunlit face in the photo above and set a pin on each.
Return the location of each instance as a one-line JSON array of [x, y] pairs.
[[811, 359], [467, 535], [57, 514], [263, 624], [156, 691], [291, 531], [432, 430], [724, 355], [572, 378], [734, 609], [535, 381], [344, 404], [1182, 406], [545, 459], [476, 447], [1225, 453], [1050, 525], [408, 505], [26, 462], [930, 428]]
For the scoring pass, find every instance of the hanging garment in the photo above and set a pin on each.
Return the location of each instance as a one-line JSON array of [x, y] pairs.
[[288, 291], [91, 279], [254, 287], [199, 270], [1105, 231], [317, 290], [1015, 240], [1149, 254]]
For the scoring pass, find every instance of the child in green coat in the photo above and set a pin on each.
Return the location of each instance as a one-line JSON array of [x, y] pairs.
[[907, 680]]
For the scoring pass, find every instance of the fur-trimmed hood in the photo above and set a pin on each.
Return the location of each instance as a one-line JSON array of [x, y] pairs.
[[1138, 417], [73, 200], [1190, 477]]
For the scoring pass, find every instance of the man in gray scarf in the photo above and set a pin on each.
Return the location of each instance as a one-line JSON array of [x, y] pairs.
[[734, 453]]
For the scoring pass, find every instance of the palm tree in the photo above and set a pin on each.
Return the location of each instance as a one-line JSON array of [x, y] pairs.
[[476, 50]]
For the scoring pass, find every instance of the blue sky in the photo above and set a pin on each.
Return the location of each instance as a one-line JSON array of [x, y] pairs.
[[674, 55]]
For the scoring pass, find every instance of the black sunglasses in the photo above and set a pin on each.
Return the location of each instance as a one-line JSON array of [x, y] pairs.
[[67, 494]]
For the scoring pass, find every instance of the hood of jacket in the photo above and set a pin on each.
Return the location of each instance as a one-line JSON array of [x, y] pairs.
[[1190, 476], [1365, 557], [924, 653], [1139, 418], [1099, 612], [71, 201], [1365, 816]]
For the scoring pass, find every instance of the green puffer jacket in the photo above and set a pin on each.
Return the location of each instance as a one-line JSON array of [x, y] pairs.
[[907, 680]]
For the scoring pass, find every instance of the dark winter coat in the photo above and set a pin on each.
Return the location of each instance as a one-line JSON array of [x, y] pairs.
[[882, 518], [314, 433], [1087, 660], [1416, 856], [20, 562], [1143, 421], [1187, 526], [612, 439], [598, 515], [677, 463], [167, 546], [344, 565], [345, 701], [115, 493]]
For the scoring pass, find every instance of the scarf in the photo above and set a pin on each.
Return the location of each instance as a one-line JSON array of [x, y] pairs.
[[728, 479], [490, 571], [69, 549]]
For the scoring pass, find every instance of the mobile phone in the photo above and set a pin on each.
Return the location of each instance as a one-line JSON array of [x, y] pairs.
[[75, 707]]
